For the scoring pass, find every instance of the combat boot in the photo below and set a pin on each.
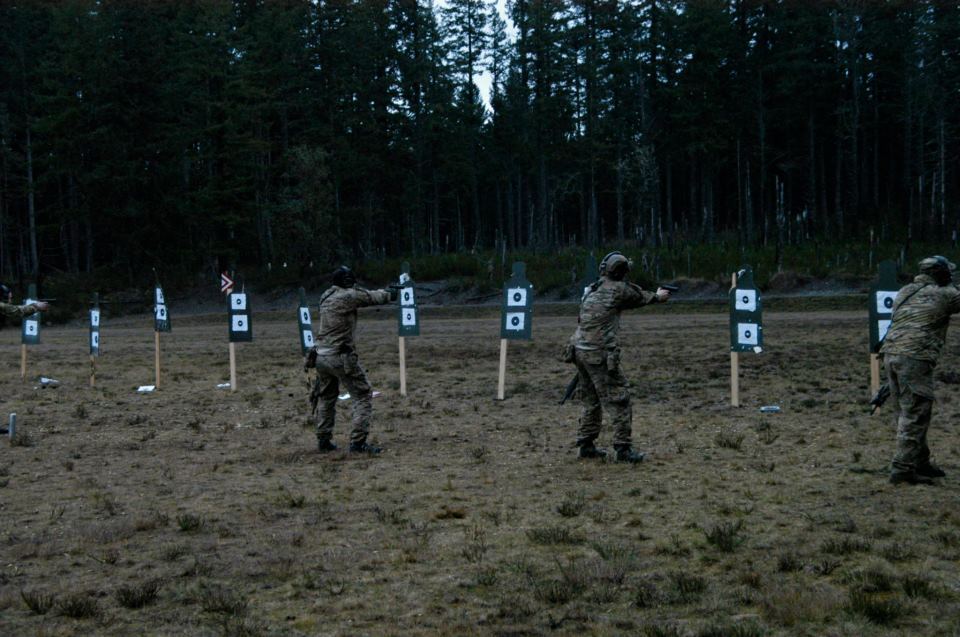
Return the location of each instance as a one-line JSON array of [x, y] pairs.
[[909, 477], [930, 470], [324, 444], [626, 454], [589, 451], [364, 447]]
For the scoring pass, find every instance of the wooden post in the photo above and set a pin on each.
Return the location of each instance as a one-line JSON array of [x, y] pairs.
[[403, 366], [156, 358], [23, 362], [503, 369], [233, 367], [734, 363], [93, 370], [874, 377]]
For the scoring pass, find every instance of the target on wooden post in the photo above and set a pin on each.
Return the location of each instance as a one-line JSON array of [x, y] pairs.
[[746, 325], [29, 330], [882, 295], [94, 337], [241, 330], [161, 323], [515, 317], [408, 320], [304, 324]]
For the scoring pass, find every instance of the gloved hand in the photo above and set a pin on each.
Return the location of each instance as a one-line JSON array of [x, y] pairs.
[[394, 292]]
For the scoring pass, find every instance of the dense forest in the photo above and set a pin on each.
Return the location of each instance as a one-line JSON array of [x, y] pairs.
[[135, 134]]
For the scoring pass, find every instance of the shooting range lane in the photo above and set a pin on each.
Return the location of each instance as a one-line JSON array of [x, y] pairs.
[[230, 458]]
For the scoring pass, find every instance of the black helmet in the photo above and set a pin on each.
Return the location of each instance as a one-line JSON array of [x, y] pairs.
[[615, 266], [343, 277]]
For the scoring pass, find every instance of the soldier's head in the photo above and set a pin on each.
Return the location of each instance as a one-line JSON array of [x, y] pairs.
[[343, 277], [615, 266], [938, 268]]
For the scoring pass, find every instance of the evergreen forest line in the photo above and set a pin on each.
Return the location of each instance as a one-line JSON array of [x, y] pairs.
[[194, 136]]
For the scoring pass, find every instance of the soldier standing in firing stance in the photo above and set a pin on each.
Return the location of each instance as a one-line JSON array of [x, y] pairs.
[[911, 348], [335, 358], [596, 352]]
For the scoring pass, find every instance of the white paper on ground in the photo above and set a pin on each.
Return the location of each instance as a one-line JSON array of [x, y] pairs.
[[145, 389]]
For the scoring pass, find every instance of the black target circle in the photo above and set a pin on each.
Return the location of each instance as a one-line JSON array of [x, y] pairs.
[[746, 299], [747, 334], [888, 302], [517, 296], [240, 323], [515, 321], [406, 296], [409, 316]]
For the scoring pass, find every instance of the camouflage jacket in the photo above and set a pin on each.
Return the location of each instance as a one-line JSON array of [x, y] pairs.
[[8, 309], [599, 322], [338, 316], [921, 314]]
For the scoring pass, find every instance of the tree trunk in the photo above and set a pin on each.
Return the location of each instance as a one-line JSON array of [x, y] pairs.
[[31, 208]]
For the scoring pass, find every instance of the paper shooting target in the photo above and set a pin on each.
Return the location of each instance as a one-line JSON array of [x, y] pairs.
[[517, 310], [516, 321], [31, 328], [95, 318], [95, 341], [516, 297], [748, 334], [747, 300], [885, 302], [240, 323], [408, 322], [746, 314], [161, 314], [307, 337]]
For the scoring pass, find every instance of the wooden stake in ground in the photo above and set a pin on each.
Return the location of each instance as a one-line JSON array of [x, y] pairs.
[[746, 325], [94, 338], [515, 317], [161, 323], [29, 331], [241, 330], [408, 320], [882, 295]]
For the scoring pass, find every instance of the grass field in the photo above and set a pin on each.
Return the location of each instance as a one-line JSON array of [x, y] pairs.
[[196, 511]]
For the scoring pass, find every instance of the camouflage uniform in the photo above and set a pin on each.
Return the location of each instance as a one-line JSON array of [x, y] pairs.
[[597, 356], [18, 311], [911, 348], [337, 359]]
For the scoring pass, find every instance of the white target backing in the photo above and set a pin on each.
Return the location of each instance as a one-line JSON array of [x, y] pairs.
[[95, 318], [305, 316], [239, 323], [882, 327], [238, 301], [406, 297], [159, 296], [161, 312], [747, 333], [308, 338], [746, 300], [95, 340], [31, 327], [885, 302], [515, 321], [516, 297], [409, 317]]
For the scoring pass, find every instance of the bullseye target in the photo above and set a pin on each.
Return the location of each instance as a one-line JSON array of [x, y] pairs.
[[240, 327]]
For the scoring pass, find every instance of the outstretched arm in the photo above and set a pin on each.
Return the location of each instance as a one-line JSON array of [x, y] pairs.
[[20, 311], [364, 298], [635, 296]]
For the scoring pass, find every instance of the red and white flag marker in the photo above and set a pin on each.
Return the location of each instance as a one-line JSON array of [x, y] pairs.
[[226, 283]]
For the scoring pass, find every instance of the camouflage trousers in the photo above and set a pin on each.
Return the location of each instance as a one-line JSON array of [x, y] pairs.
[[331, 372], [603, 387], [911, 386]]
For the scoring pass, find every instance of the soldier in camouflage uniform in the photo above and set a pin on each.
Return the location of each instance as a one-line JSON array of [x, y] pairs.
[[18, 311], [336, 360], [911, 348], [596, 353]]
